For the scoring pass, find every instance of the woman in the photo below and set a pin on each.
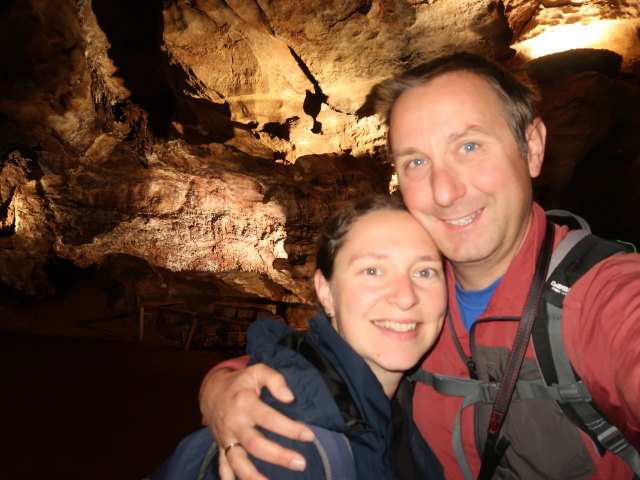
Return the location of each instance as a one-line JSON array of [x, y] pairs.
[[381, 284]]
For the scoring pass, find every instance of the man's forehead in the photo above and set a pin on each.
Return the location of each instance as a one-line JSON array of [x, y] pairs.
[[446, 81], [412, 102]]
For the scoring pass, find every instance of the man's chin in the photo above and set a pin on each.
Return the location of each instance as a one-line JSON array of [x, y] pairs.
[[463, 255], [458, 246]]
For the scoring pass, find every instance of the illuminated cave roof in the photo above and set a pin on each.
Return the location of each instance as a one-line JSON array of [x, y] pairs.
[[210, 139]]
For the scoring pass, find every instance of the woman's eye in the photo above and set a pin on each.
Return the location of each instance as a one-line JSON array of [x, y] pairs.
[[372, 271], [469, 147], [426, 273]]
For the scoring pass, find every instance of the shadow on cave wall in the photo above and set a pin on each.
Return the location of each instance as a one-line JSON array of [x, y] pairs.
[[134, 30], [604, 191], [599, 106]]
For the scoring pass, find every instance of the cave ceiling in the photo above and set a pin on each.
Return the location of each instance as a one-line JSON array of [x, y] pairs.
[[192, 148]]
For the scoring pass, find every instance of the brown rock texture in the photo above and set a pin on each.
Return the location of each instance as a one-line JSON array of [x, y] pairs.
[[198, 145]]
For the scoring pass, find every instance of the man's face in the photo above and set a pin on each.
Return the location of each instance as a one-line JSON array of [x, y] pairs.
[[461, 174]]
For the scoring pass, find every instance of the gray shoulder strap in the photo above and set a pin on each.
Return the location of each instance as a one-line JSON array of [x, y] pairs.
[[565, 247], [566, 213], [607, 434], [208, 461], [335, 452], [476, 391]]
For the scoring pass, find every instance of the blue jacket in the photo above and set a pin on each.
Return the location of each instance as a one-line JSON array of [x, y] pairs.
[[375, 440]]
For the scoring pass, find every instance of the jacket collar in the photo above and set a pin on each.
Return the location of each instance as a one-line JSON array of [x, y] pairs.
[[263, 346], [364, 386]]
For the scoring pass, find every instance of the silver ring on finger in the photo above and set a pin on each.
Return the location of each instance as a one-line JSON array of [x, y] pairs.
[[230, 446]]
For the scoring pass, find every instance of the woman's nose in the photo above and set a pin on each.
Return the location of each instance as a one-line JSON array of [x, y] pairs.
[[403, 293]]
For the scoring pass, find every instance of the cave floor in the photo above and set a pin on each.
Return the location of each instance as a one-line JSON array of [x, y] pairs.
[[83, 398]]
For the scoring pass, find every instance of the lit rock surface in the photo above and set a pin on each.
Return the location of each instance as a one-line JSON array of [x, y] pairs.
[[197, 146]]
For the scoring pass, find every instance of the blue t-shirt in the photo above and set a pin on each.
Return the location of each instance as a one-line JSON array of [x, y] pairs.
[[472, 303]]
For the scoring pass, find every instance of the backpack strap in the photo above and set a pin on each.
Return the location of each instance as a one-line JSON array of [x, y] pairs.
[[207, 466], [565, 216], [477, 391], [575, 255], [495, 445], [335, 452]]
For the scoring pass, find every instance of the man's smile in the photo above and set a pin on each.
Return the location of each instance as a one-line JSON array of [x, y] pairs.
[[461, 222]]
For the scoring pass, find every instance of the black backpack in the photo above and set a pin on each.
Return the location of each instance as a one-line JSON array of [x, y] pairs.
[[578, 252]]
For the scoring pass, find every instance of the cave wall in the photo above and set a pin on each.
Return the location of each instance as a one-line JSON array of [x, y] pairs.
[[200, 144]]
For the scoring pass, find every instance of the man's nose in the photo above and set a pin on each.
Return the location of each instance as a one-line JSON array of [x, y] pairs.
[[447, 186], [403, 293]]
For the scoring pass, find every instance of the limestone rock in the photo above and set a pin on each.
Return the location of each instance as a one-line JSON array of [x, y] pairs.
[[199, 144]]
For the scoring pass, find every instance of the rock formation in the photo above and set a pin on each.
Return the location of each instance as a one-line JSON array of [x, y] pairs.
[[190, 149]]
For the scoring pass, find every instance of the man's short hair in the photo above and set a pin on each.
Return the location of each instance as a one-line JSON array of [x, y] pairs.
[[519, 100]]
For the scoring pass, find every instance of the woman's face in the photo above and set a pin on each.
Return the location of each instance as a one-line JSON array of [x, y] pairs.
[[387, 297]]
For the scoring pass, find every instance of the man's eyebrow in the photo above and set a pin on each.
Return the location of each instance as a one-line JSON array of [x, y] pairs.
[[451, 138], [471, 129], [404, 153]]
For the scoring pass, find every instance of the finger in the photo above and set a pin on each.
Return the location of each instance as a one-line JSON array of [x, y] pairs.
[[244, 469], [224, 469], [270, 419], [249, 408], [255, 443], [274, 381], [276, 422]]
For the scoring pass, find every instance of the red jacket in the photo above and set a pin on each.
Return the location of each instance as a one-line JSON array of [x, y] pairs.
[[601, 328]]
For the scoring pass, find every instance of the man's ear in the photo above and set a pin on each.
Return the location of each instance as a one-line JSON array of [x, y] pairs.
[[323, 290], [536, 140]]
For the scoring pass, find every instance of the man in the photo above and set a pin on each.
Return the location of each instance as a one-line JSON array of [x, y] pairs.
[[466, 141]]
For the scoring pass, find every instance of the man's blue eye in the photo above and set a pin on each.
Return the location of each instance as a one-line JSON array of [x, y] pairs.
[[469, 147], [416, 162], [371, 271]]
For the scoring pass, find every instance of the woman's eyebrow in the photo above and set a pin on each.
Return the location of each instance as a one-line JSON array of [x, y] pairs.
[[430, 258], [378, 256], [373, 255]]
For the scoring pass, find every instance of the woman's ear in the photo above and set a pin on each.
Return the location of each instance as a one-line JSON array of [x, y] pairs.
[[323, 291]]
